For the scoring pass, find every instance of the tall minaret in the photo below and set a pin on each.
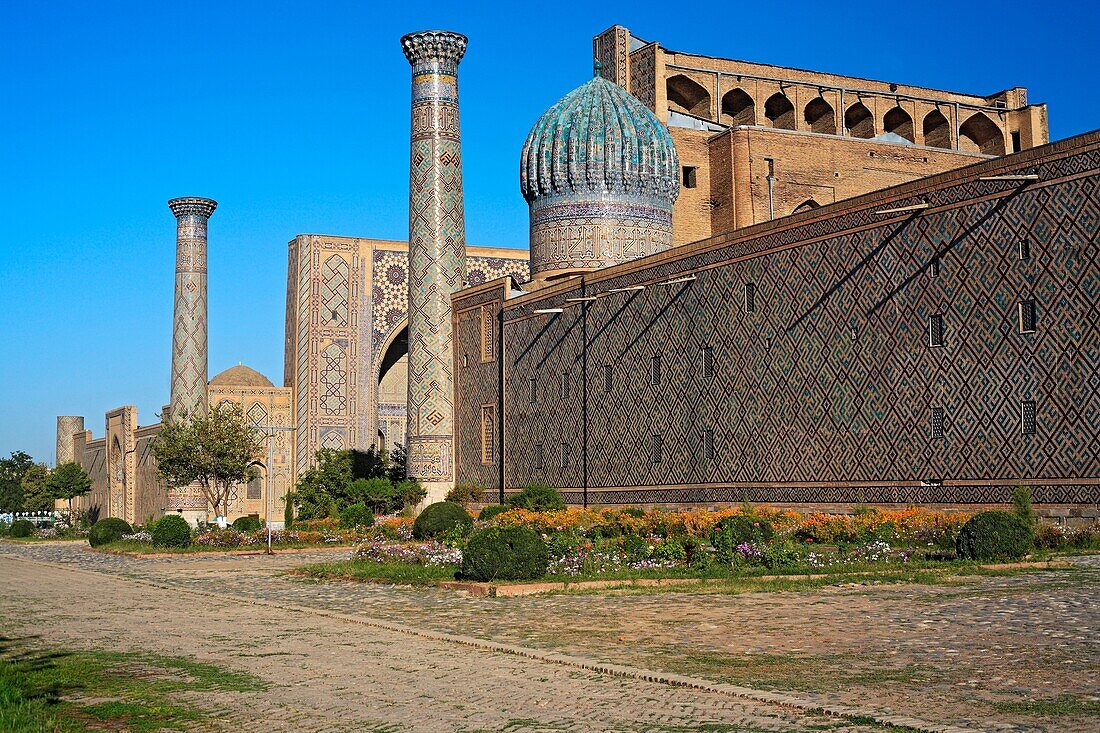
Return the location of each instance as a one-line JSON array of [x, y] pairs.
[[188, 388], [437, 253], [67, 427]]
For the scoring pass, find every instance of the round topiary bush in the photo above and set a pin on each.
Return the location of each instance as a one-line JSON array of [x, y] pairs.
[[171, 530], [107, 530], [538, 498], [491, 511], [21, 528], [504, 553], [246, 524], [356, 515], [994, 535], [441, 517]]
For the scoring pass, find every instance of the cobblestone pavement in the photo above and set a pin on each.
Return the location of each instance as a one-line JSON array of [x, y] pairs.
[[1016, 652]]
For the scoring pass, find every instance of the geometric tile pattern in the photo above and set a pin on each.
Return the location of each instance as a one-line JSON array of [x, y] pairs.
[[824, 391], [643, 74], [334, 380], [611, 49], [335, 291], [437, 248], [189, 322], [67, 427]]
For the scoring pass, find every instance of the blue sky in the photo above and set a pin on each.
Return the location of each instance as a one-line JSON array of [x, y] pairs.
[[294, 116]]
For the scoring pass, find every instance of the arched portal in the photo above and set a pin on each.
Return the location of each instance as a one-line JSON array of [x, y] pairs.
[[899, 122], [859, 121], [980, 135], [779, 111], [393, 381], [937, 130], [820, 117], [687, 95], [738, 108]]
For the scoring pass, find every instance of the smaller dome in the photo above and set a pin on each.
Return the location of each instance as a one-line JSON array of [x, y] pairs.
[[240, 376]]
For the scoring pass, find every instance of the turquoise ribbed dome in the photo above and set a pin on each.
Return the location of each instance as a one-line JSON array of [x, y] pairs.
[[599, 140]]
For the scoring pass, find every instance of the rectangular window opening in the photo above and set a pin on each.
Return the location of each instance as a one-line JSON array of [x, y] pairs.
[[708, 362], [708, 445], [534, 390], [565, 455], [1027, 417], [487, 350], [935, 331], [937, 422], [538, 456], [608, 377], [934, 268], [465, 360], [565, 385], [1027, 316], [657, 448], [1024, 250], [1016, 145], [750, 297], [655, 370], [690, 177], [488, 422]]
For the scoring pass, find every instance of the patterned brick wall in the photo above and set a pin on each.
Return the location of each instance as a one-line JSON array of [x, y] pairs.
[[824, 391]]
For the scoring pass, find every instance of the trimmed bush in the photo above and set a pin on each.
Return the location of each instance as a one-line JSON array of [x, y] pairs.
[[538, 498], [21, 528], [491, 511], [465, 493], [440, 518], [172, 530], [356, 515], [246, 524], [108, 530], [504, 553], [994, 535]]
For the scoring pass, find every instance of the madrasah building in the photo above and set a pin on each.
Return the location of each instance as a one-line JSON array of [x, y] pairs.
[[744, 282]]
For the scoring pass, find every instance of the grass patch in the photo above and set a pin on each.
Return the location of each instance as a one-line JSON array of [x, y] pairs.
[[48, 691], [370, 571], [146, 548], [1050, 706]]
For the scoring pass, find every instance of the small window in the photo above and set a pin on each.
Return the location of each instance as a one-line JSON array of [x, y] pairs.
[[935, 330], [708, 445], [690, 179], [534, 391], [608, 377], [1024, 250], [565, 385], [1027, 417], [937, 422], [655, 370], [537, 457], [487, 425], [255, 484], [657, 448], [565, 455], [750, 297], [1016, 147], [1027, 316], [487, 350], [707, 366], [934, 267], [465, 360]]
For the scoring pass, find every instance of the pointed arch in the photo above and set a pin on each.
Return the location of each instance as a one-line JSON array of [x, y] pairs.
[[738, 108], [979, 134], [820, 116], [899, 122], [807, 205], [937, 130], [779, 111], [687, 95], [859, 121]]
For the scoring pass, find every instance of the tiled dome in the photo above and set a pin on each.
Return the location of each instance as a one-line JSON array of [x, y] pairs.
[[600, 174]]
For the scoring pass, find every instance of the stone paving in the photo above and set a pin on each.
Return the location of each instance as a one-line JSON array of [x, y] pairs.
[[987, 654]]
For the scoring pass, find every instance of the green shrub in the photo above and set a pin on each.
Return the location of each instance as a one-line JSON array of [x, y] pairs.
[[1021, 506], [633, 511], [288, 510], [465, 493], [491, 511], [635, 548], [738, 530], [538, 498], [21, 528], [440, 518], [378, 494], [246, 524], [107, 530], [670, 550], [504, 553], [409, 493], [994, 535], [172, 530], [356, 515], [780, 555]]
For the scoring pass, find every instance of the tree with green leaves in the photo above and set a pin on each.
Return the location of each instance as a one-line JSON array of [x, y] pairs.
[[68, 481], [214, 450], [323, 489], [36, 493], [11, 480]]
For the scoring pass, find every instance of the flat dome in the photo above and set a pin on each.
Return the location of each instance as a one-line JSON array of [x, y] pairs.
[[600, 139], [240, 376]]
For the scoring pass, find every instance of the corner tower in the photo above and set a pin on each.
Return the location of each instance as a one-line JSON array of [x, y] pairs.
[[437, 253], [600, 174], [189, 325]]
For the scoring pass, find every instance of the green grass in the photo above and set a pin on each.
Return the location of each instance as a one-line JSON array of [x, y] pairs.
[[370, 571], [1051, 706], [50, 691], [147, 548]]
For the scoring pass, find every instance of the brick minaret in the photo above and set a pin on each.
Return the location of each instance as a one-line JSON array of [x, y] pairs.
[[67, 427], [188, 388], [437, 253]]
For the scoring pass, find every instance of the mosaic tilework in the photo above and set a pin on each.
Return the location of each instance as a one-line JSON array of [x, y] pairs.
[[437, 248], [823, 392], [600, 174], [67, 427], [611, 49], [643, 75], [189, 321]]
